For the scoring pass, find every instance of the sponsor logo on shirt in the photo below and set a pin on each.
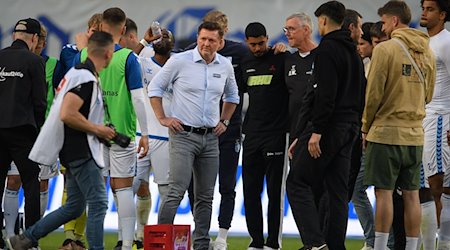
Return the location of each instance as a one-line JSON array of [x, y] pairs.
[[216, 75], [4, 74], [250, 70], [110, 93], [259, 80]]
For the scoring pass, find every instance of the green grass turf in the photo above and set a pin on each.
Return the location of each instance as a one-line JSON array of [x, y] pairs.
[[55, 239]]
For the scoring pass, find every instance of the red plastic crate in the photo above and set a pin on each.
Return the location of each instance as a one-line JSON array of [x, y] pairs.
[[167, 237]]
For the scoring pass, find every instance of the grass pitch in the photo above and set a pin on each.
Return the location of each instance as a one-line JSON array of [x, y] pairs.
[[54, 240]]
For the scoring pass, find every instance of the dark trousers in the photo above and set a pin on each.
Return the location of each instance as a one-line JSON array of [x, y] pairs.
[[355, 165], [229, 147], [308, 177], [15, 145], [263, 156]]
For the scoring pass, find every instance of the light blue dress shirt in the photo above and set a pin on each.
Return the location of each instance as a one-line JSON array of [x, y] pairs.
[[197, 87]]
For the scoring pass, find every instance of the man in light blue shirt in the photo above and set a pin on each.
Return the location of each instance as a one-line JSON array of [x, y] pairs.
[[199, 78]]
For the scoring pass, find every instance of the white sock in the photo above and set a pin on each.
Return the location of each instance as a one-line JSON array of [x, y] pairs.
[[127, 215], [143, 206], [381, 240], [444, 231], [428, 226], [411, 243], [44, 201], [223, 233], [119, 226], [11, 207]]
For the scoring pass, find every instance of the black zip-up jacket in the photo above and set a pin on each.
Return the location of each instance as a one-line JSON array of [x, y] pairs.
[[23, 90], [336, 90]]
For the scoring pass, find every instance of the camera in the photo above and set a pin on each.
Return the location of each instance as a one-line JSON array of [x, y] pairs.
[[120, 139]]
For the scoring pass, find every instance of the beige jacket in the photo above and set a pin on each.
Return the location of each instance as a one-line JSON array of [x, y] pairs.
[[395, 96]]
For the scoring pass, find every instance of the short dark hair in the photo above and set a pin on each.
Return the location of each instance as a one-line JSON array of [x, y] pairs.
[[333, 9], [98, 42], [131, 26], [366, 31], [211, 26], [255, 29], [444, 5], [396, 8], [351, 17], [114, 16], [376, 30]]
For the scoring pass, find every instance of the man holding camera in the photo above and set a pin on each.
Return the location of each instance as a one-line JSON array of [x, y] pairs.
[[74, 126], [125, 101]]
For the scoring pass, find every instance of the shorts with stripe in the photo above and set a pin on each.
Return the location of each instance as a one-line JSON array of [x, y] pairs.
[[436, 151]]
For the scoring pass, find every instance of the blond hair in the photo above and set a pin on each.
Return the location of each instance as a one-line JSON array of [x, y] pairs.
[[218, 17]]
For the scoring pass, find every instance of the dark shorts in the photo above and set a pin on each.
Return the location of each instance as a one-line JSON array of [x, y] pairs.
[[389, 166]]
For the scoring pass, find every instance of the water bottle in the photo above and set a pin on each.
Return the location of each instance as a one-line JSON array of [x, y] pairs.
[[156, 30]]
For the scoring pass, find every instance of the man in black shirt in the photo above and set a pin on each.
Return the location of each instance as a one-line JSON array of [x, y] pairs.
[[23, 100], [326, 134], [77, 114], [265, 126], [298, 69]]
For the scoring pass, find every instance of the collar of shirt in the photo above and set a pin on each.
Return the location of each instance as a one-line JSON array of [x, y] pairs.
[[198, 58]]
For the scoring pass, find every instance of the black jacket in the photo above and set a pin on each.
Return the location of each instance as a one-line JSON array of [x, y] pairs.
[[336, 91], [23, 90]]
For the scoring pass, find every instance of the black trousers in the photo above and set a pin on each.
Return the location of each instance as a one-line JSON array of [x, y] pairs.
[[229, 147], [355, 165], [15, 145], [308, 177], [263, 157]]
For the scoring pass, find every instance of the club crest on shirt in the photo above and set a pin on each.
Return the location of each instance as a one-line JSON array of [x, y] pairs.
[[406, 69], [292, 71]]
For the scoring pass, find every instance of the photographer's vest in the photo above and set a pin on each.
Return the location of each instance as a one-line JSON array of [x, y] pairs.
[[50, 66], [116, 94]]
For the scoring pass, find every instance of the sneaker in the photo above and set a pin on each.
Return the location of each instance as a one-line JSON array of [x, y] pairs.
[[138, 245], [366, 247], [322, 247], [269, 248], [66, 245], [219, 244], [78, 245], [118, 245], [19, 242]]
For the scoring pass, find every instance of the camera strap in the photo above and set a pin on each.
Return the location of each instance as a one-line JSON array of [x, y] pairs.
[[105, 106]]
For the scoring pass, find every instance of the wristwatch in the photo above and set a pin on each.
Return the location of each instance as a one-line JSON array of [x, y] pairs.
[[225, 122]]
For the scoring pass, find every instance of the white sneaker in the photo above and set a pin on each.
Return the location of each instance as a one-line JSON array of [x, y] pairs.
[[323, 247], [366, 247], [219, 244]]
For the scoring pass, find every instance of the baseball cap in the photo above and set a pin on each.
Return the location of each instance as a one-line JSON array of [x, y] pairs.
[[29, 25]]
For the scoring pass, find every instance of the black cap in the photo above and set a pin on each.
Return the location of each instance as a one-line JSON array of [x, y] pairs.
[[29, 25]]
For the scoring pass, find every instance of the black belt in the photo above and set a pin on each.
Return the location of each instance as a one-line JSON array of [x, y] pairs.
[[200, 131]]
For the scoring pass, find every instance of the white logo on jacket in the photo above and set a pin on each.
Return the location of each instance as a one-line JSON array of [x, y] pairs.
[[4, 74]]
